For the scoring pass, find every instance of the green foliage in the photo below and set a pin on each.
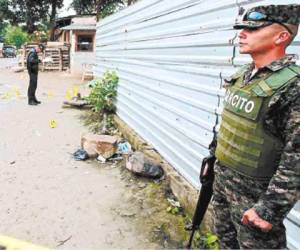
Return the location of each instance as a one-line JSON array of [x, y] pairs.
[[3, 11], [210, 241], [103, 93], [102, 8], [38, 36], [107, 10], [15, 36], [32, 13], [173, 210], [99, 7], [175, 207]]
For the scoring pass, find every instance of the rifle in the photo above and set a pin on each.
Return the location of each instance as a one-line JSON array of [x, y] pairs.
[[206, 192]]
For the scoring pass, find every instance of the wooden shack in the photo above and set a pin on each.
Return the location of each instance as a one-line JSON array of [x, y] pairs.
[[56, 56]]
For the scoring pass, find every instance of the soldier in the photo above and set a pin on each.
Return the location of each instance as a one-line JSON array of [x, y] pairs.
[[33, 69], [257, 169]]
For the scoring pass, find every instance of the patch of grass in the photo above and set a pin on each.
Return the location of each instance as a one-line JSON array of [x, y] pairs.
[[93, 121]]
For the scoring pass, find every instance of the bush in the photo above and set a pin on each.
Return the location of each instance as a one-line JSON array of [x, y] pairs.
[[103, 93], [38, 36], [15, 36]]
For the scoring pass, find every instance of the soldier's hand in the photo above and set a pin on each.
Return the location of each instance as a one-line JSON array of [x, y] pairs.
[[250, 217]]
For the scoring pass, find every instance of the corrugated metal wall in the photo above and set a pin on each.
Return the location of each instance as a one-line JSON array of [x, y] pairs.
[[171, 57]]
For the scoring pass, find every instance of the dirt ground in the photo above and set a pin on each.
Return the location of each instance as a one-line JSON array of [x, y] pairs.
[[50, 199]]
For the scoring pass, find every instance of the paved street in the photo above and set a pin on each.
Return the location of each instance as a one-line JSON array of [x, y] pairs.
[[7, 62], [46, 196]]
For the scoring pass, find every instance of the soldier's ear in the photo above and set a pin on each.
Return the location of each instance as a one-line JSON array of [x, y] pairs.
[[283, 38]]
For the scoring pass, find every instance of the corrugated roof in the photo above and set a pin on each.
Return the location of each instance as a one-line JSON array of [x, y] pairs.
[[80, 27]]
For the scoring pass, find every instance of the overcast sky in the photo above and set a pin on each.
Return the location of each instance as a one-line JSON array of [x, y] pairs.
[[64, 11]]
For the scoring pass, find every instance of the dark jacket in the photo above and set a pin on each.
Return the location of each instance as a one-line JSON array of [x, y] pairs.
[[33, 62]]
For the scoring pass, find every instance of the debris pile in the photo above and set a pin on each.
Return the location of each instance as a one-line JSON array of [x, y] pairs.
[[103, 145], [110, 148]]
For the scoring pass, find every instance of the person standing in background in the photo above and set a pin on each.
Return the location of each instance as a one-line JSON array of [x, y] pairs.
[[33, 69]]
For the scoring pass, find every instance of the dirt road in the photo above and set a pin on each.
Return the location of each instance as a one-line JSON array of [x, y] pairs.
[[47, 197]]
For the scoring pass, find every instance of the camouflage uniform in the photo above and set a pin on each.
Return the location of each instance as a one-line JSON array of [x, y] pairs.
[[273, 198]]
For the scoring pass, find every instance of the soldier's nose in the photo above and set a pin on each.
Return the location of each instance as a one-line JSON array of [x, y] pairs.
[[242, 34]]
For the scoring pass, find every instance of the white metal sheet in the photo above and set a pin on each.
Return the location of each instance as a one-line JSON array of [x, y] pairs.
[[171, 58]]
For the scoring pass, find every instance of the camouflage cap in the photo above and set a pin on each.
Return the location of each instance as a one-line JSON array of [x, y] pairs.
[[261, 16]]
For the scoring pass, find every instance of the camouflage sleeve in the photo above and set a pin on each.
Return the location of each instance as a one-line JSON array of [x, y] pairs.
[[283, 190]]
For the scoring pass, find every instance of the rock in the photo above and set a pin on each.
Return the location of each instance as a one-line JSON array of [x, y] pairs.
[[89, 148], [104, 145], [141, 165]]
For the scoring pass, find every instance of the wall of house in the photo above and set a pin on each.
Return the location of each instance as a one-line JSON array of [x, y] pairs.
[[79, 58], [171, 57]]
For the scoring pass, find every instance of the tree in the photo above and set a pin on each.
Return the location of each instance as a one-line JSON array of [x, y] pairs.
[[15, 36], [100, 7], [29, 12], [55, 5], [3, 11]]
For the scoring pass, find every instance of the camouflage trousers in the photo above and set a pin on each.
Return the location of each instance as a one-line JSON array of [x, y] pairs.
[[233, 195]]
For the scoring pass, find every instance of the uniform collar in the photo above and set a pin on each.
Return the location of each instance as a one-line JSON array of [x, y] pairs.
[[279, 64]]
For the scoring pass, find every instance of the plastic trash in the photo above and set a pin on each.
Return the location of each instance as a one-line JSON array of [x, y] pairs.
[[124, 148], [80, 155], [152, 171], [101, 159]]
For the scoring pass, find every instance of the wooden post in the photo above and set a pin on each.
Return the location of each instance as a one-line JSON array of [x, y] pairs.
[[23, 56], [60, 60], [43, 60]]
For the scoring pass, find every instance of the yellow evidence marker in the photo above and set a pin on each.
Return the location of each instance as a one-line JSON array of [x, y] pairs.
[[9, 243], [6, 95], [50, 94], [17, 91], [69, 94], [52, 124], [75, 90]]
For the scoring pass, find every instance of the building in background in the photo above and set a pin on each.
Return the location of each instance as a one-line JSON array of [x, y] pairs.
[[79, 32]]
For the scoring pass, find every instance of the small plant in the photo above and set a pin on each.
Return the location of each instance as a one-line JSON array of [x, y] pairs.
[[103, 96], [210, 241], [104, 91], [175, 207]]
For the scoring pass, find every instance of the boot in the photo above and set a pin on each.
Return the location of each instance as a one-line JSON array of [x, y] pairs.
[[32, 102], [38, 102]]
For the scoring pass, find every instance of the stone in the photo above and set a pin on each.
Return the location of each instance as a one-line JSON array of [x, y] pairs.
[[141, 165], [104, 145]]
